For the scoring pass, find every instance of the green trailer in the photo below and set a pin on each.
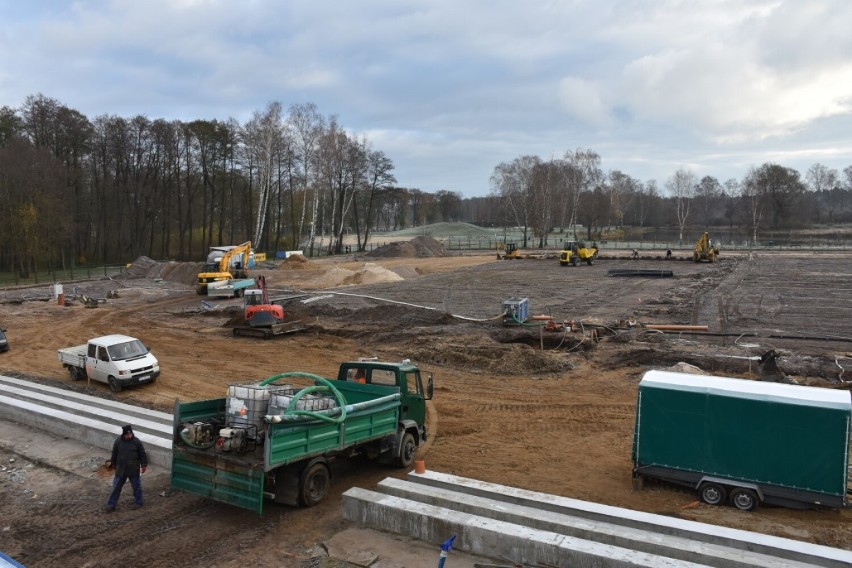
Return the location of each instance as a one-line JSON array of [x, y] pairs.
[[744, 442], [271, 440]]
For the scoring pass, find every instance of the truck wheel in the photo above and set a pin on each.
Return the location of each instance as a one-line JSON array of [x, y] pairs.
[[74, 372], [574, 261], [406, 450], [712, 493], [114, 386], [314, 484], [744, 499], [590, 261]]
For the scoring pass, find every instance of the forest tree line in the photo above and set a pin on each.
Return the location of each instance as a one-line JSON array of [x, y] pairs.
[[110, 189], [540, 195]]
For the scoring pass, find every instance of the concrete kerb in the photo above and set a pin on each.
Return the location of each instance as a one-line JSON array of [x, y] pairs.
[[792, 550], [105, 413], [87, 419], [92, 432], [488, 537], [674, 547], [90, 401]]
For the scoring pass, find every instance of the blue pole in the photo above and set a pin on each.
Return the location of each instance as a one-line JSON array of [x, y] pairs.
[[445, 550]]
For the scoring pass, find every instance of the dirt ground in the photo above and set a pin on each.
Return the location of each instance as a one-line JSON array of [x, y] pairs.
[[550, 411]]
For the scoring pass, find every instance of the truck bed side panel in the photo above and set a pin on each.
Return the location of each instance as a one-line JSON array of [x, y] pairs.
[[293, 441], [797, 446], [73, 355]]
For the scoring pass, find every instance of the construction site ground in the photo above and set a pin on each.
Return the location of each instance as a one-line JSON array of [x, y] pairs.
[[546, 409]]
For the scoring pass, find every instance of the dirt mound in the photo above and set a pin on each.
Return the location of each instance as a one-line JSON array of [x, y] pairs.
[[183, 272], [295, 262], [370, 274], [418, 247]]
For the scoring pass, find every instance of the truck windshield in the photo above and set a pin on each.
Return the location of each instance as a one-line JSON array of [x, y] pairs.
[[127, 350]]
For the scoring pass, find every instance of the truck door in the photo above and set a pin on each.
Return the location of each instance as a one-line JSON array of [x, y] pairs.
[[413, 401], [98, 364]]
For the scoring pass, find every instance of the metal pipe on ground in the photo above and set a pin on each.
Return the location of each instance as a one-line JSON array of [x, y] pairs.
[[640, 272], [673, 327]]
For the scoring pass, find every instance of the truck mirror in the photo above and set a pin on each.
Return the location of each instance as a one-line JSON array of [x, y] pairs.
[[430, 387]]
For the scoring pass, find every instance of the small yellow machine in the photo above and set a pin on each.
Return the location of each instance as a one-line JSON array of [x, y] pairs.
[[573, 252]]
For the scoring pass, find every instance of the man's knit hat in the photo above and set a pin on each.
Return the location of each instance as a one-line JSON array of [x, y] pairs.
[[126, 428]]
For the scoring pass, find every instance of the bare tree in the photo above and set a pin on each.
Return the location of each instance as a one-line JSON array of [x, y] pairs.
[[822, 181], [682, 187], [379, 175], [263, 136], [546, 179], [584, 174], [707, 195], [754, 194], [513, 182], [307, 126], [732, 191], [782, 187]]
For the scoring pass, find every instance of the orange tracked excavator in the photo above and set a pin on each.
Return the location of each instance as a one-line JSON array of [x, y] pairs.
[[264, 318]]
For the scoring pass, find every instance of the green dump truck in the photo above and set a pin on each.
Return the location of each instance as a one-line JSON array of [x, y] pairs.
[[744, 442], [274, 440]]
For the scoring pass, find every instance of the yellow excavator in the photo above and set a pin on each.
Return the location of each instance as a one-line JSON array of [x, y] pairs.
[[508, 251], [223, 269], [705, 249], [575, 251]]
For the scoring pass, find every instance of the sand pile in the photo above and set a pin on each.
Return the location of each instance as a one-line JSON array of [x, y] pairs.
[[418, 247], [183, 272], [295, 262], [370, 274]]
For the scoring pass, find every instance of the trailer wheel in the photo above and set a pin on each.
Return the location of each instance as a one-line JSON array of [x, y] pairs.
[[406, 450], [712, 493], [114, 385], [590, 261], [74, 372], [744, 499], [314, 484]]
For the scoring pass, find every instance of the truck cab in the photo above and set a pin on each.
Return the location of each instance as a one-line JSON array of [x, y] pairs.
[[404, 376]]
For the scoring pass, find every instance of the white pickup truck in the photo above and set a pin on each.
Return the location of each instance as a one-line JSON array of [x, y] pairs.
[[117, 360]]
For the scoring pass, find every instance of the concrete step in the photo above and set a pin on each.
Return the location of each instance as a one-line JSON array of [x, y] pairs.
[[489, 537], [89, 419], [782, 550], [611, 533]]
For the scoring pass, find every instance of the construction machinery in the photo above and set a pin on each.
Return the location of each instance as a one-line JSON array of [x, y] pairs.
[[225, 268], [508, 251], [263, 317], [575, 251], [705, 249]]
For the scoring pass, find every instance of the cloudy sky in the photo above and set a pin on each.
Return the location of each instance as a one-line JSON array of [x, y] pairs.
[[449, 89]]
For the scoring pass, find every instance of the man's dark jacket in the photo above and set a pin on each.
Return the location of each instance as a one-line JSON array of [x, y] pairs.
[[128, 456]]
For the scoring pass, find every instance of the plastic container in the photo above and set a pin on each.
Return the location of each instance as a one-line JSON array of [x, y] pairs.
[[247, 405]]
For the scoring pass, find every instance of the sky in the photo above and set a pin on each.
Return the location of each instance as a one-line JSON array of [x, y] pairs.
[[449, 89]]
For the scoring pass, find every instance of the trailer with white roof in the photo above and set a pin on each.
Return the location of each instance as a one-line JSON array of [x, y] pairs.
[[744, 442]]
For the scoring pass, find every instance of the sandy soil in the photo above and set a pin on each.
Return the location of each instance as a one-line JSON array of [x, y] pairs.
[[548, 411]]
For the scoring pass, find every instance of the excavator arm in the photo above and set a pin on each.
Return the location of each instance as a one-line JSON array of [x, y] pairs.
[[224, 269], [243, 250]]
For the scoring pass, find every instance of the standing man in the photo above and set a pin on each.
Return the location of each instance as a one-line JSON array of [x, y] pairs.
[[129, 461]]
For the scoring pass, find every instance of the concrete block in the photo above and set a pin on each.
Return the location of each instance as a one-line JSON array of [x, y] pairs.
[[488, 537], [781, 548]]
